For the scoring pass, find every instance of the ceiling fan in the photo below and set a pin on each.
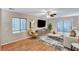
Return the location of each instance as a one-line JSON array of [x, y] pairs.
[[49, 13], [11, 8]]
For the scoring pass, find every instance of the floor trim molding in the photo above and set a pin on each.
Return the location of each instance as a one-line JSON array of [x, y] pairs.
[[14, 41]]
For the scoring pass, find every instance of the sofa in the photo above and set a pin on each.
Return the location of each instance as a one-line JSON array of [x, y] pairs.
[[42, 31], [69, 40]]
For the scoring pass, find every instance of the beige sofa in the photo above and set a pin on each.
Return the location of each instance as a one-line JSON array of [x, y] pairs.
[[69, 40]]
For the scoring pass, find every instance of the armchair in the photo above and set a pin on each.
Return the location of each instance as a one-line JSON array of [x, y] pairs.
[[32, 33]]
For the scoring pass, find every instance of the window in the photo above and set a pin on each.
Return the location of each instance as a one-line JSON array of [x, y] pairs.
[[18, 25], [60, 26], [23, 25], [64, 26], [67, 26]]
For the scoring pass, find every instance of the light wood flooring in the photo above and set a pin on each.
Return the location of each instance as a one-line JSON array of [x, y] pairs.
[[28, 45]]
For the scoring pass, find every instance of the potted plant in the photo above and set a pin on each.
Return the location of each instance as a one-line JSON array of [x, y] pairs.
[[49, 27]]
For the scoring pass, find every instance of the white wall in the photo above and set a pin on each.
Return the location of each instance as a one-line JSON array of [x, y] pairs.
[[0, 29], [0, 24], [6, 27]]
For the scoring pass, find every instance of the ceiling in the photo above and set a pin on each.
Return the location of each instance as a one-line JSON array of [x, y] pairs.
[[39, 12]]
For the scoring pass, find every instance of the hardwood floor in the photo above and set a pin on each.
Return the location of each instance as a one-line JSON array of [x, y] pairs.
[[28, 45]]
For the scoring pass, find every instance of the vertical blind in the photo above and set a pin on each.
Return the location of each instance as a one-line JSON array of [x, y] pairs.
[[19, 25], [64, 25]]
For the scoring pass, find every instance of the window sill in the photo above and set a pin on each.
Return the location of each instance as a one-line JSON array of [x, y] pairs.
[[19, 32]]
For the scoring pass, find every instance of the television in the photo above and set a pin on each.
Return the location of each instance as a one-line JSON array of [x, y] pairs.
[[41, 23]]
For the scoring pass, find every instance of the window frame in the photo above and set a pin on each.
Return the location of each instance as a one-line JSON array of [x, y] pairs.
[[20, 30]]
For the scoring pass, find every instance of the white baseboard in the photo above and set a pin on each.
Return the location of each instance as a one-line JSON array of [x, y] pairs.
[[14, 41]]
